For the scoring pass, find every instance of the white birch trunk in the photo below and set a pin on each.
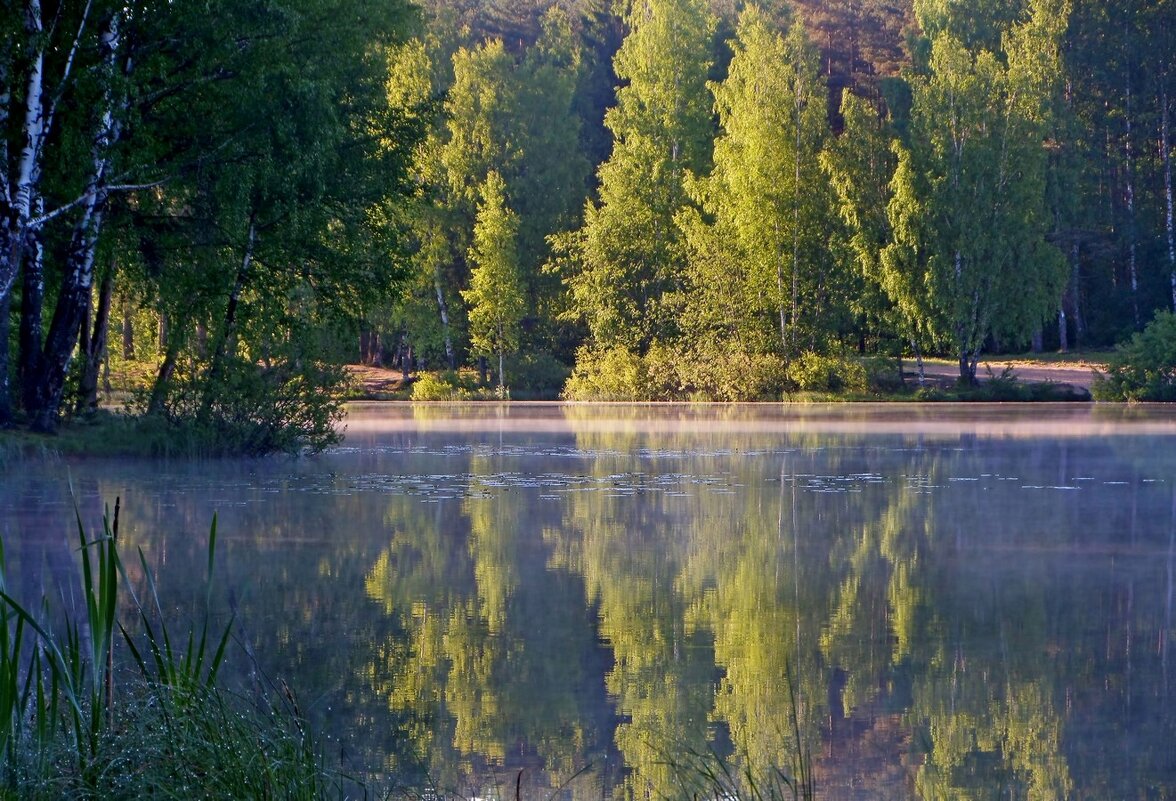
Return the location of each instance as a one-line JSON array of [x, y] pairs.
[[73, 299], [1132, 268], [796, 211], [1166, 154], [444, 310], [780, 291], [919, 361], [5, 105], [23, 190]]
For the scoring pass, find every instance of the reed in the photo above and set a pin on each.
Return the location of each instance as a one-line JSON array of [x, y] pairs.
[[175, 732]]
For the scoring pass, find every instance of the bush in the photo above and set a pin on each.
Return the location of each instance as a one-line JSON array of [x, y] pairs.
[[449, 386], [252, 409], [536, 375], [610, 374], [812, 372], [1143, 369], [727, 372], [882, 375]]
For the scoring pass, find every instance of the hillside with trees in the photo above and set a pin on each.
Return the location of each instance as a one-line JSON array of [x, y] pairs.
[[647, 199]]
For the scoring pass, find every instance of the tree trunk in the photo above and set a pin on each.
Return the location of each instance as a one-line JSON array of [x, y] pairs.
[[162, 383], [128, 330], [5, 385], [968, 362], [780, 295], [228, 328], [405, 359], [76, 284], [501, 376], [1076, 295], [1063, 334], [1132, 267], [796, 213], [68, 317], [919, 361], [32, 301], [365, 344], [1037, 341], [450, 357], [1166, 152], [161, 332], [24, 193], [94, 346]]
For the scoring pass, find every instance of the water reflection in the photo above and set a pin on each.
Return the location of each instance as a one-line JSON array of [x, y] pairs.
[[942, 602]]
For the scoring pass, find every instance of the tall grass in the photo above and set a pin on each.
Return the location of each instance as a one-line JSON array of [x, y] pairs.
[[171, 731]]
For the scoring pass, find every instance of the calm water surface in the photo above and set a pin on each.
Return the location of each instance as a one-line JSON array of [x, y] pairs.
[[933, 601]]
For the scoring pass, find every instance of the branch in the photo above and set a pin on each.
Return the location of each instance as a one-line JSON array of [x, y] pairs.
[[37, 222], [73, 51]]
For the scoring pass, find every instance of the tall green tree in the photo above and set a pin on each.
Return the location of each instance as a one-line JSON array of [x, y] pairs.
[[968, 257], [860, 164], [626, 263], [764, 194], [495, 295]]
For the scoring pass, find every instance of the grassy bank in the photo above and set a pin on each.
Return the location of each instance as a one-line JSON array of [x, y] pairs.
[[110, 433], [74, 724]]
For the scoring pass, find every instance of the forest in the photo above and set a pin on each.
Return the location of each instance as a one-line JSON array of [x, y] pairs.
[[636, 199]]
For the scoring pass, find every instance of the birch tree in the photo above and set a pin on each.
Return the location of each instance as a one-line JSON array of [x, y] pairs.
[[40, 62], [968, 256], [626, 261], [766, 188], [495, 295]]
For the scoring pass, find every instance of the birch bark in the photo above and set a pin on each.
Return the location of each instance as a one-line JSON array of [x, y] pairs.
[[1166, 154], [44, 402]]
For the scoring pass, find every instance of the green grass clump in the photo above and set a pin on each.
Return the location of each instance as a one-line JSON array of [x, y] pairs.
[[170, 730]]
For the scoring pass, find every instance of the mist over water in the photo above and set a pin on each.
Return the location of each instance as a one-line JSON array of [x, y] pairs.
[[933, 601]]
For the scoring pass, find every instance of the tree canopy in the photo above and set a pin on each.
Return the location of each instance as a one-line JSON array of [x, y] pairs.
[[711, 199]]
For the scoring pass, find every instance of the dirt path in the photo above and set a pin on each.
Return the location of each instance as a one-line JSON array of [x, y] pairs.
[[1076, 373], [376, 383]]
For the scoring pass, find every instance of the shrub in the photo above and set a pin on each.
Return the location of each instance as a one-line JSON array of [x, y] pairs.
[[437, 387], [449, 386], [882, 374], [729, 373], [536, 375], [607, 374], [285, 406], [813, 372], [1143, 369]]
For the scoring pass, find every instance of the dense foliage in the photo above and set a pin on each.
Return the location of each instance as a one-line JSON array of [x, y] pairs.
[[706, 188], [791, 180], [1143, 369], [214, 170]]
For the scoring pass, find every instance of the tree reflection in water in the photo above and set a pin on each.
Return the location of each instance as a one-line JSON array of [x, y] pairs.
[[944, 615]]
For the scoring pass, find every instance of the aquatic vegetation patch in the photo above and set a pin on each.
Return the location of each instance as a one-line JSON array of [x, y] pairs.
[[74, 723]]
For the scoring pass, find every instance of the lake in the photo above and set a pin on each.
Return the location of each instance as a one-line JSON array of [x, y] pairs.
[[934, 601]]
